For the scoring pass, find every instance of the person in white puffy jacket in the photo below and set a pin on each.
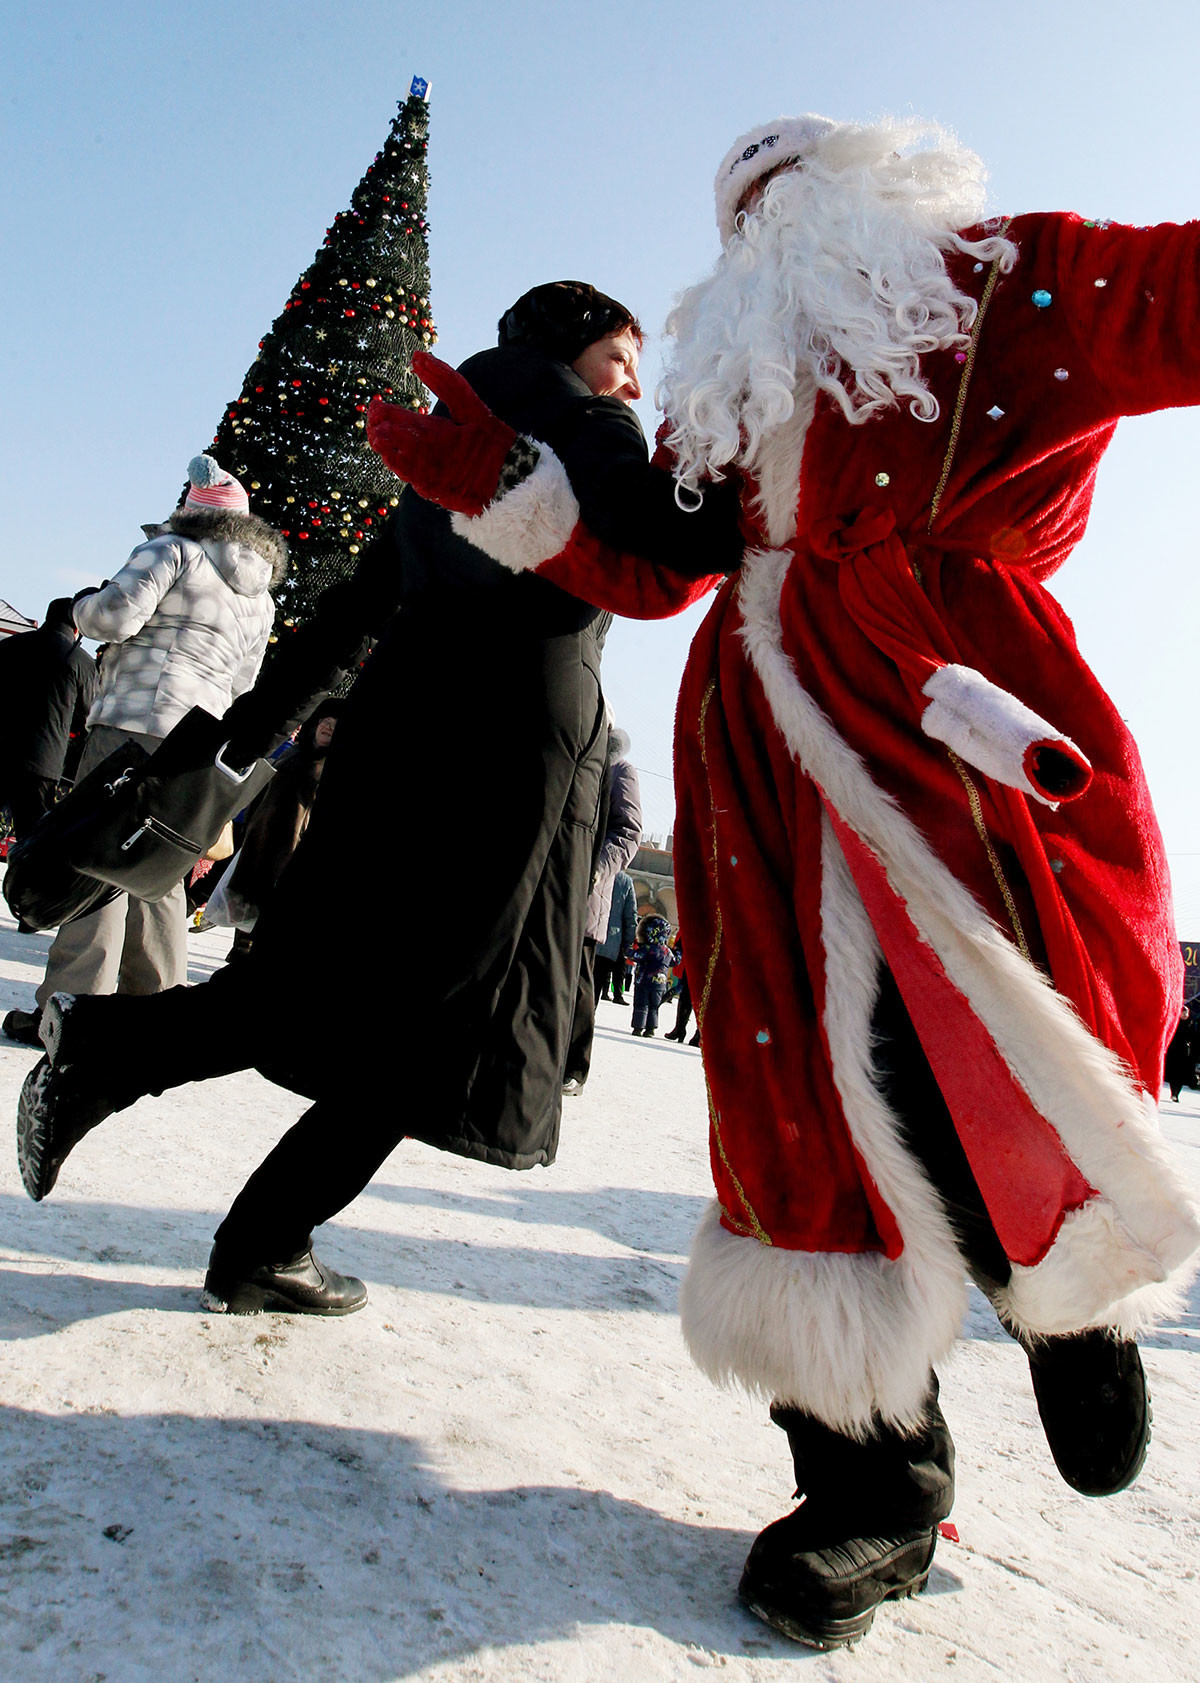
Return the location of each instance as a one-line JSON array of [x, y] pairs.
[[186, 620]]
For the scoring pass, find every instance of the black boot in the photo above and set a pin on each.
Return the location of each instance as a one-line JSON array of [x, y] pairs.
[[301, 1286], [1091, 1394], [22, 1026], [824, 1592], [55, 1110], [865, 1532], [64, 1097]]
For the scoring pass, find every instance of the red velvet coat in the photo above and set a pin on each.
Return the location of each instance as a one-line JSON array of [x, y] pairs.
[[889, 748]]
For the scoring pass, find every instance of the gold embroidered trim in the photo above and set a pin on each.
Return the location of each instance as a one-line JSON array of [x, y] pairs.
[[756, 1227], [964, 382], [997, 869], [738, 1226]]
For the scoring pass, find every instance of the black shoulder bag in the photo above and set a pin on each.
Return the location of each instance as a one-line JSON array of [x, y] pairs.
[[136, 824]]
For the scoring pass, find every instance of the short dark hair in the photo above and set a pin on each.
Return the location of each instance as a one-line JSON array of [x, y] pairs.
[[562, 318]]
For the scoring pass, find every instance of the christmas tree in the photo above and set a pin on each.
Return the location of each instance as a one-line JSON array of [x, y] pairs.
[[296, 435]]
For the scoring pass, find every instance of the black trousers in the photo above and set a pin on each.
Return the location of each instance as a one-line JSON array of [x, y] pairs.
[[27, 797], [319, 1166], [683, 1010], [583, 1023], [610, 972], [151, 1044]]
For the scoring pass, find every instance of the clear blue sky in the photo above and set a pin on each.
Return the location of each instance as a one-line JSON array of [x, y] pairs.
[[170, 169]]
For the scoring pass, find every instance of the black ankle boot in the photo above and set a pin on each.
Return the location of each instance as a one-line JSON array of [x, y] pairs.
[[1091, 1394], [83, 1079], [301, 1286], [864, 1534], [57, 1107], [22, 1026], [825, 1594]]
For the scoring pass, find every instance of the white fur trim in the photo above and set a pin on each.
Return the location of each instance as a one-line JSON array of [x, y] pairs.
[[768, 146], [817, 1330], [1150, 1225], [778, 469], [991, 729], [529, 524], [1059, 1294]]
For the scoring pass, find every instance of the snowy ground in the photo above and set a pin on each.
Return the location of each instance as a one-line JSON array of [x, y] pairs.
[[505, 1467]]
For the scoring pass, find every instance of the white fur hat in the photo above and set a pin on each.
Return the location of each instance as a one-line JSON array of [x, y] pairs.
[[761, 150]]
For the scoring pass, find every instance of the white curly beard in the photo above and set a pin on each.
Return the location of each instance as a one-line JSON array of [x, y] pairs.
[[836, 282]]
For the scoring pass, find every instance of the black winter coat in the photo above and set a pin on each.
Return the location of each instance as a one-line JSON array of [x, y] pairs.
[[47, 686], [468, 765]]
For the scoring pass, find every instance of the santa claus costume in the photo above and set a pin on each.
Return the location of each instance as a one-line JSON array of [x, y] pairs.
[[897, 775]]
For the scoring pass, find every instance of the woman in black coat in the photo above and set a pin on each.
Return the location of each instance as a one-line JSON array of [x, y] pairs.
[[468, 763]]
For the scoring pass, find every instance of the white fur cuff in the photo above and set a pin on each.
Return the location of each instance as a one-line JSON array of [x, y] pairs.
[[1001, 737], [529, 524], [849, 1338], [1098, 1274]]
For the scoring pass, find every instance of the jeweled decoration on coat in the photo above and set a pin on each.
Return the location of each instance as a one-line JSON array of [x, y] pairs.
[[1042, 299]]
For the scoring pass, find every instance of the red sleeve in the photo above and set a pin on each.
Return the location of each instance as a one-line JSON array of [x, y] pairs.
[[621, 583], [1130, 299]]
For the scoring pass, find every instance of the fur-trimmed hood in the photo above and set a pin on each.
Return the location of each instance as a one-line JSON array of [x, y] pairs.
[[223, 526]]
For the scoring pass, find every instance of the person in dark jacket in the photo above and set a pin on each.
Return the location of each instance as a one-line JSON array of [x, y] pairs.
[[49, 683], [683, 1007], [1179, 1070], [618, 943], [499, 765], [276, 823], [622, 833], [652, 960]]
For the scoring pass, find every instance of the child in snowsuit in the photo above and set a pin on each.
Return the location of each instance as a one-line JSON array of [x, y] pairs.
[[651, 973]]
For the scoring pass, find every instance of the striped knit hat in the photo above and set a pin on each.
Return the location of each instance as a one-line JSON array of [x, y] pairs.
[[212, 487]]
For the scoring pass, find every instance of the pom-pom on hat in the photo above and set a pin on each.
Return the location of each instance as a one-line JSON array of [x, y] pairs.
[[212, 487], [761, 150]]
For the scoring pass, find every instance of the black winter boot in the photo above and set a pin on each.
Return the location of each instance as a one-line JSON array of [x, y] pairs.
[[824, 1592], [22, 1026], [64, 1097], [55, 1110], [301, 1286], [1091, 1394], [865, 1532]]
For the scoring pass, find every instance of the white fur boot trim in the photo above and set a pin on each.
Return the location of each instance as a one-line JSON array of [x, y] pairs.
[[832, 1334], [1058, 1294], [999, 735], [529, 524]]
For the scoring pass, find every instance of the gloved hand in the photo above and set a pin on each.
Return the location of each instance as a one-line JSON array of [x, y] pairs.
[[88, 590], [453, 460]]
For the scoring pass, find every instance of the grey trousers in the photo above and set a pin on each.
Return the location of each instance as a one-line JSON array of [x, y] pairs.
[[129, 946]]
